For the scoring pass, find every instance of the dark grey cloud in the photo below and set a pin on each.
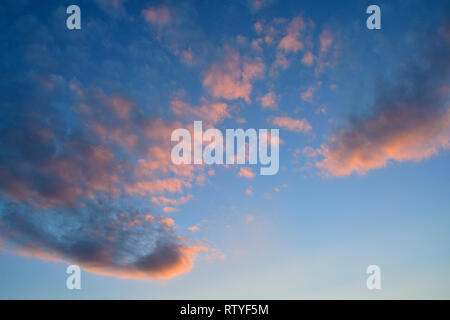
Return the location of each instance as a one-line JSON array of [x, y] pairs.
[[100, 237]]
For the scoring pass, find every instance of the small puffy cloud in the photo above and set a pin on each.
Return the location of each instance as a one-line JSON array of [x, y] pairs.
[[292, 41], [321, 110], [201, 180], [259, 4], [310, 152], [240, 120], [280, 62], [256, 44], [268, 100], [249, 191], [187, 56], [169, 210], [258, 27], [328, 52], [120, 106], [232, 78], [159, 16], [246, 172], [167, 221], [291, 124], [308, 59], [308, 94], [278, 189], [326, 40], [194, 228]]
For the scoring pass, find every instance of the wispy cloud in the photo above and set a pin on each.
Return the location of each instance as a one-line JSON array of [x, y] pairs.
[[291, 124]]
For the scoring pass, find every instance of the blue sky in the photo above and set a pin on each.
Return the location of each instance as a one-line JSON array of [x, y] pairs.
[[85, 170]]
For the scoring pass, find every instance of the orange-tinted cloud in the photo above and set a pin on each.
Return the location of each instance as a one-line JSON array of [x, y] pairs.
[[410, 120], [104, 241], [194, 228], [246, 172], [182, 261], [406, 134]]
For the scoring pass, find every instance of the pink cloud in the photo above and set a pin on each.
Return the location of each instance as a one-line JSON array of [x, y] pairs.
[[259, 4], [256, 44], [280, 62], [292, 42], [246, 172], [268, 100], [187, 56], [308, 95], [232, 78], [118, 135], [209, 112], [120, 106], [326, 40], [258, 27], [159, 16], [308, 59], [291, 124]]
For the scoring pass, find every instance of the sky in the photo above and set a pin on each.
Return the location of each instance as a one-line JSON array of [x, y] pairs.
[[86, 176]]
